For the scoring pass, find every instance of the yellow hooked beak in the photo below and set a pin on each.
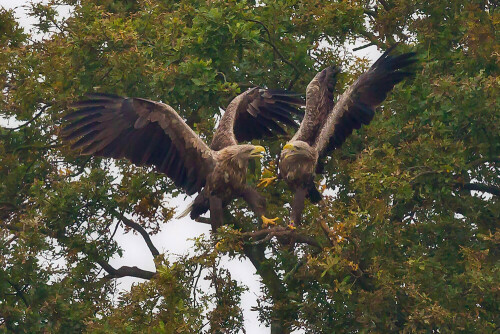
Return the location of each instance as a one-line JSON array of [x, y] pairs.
[[256, 152], [290, 148]]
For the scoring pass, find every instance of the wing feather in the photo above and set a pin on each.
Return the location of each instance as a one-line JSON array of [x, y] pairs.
[[319, 102], [147, 133], [357, 105], [257, 113]]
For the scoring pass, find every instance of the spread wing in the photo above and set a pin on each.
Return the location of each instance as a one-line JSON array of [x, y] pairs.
[[147, 133], [357, 105], [319, 102], [256, 113]]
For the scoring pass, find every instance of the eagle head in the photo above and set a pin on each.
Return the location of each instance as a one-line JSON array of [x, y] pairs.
[[299, 149], [241, 153]]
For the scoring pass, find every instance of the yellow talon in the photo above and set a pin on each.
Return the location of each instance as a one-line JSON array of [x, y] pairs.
[[265, 181], [292, 227], [266, 221]]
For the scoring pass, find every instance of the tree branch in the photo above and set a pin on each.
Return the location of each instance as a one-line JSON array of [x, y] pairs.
[[363, 46], [203, 220], [372, 38], [326, 230], [154, 251], [38, 114], [480, 187], [384, 4], [19, 293], [125, 271], [481, 161]]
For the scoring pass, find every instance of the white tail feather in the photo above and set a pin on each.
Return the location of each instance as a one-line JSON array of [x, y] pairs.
[[185, 212]]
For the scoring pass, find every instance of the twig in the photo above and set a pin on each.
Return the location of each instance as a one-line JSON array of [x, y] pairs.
[[196, 285]]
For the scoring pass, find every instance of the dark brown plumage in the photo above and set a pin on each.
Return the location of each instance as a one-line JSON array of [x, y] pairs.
[[150, 133], [326, 126]]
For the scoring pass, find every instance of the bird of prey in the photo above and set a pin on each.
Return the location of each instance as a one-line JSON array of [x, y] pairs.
[[326, 124], [150, 133]]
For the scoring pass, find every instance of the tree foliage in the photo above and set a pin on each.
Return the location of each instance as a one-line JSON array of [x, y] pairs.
[[408, 242]]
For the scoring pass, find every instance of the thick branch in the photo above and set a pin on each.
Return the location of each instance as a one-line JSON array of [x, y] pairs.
[[480, 187], [481, 161], [125, 271], [140, 230], [203, 220]]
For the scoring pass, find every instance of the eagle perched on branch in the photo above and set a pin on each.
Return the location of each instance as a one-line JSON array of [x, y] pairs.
[[150, 133], [326, 124]]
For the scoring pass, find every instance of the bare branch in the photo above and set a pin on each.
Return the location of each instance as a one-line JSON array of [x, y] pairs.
[[38, 114], [125, 271], [363, 47], [154, 251]]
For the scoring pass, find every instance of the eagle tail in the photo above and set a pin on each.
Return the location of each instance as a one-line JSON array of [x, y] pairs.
[[185, 212], [199, 206], [313, 194]]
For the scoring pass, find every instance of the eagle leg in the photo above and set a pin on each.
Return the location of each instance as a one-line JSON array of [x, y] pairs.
[[255, 201], [257, 204], [298, 206], [216, 213]]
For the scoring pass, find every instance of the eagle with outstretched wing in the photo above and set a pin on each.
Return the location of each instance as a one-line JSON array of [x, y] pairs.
[[326, 124], [150, 133]]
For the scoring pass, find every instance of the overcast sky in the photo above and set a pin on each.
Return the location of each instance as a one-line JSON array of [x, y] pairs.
[[175, 236]]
